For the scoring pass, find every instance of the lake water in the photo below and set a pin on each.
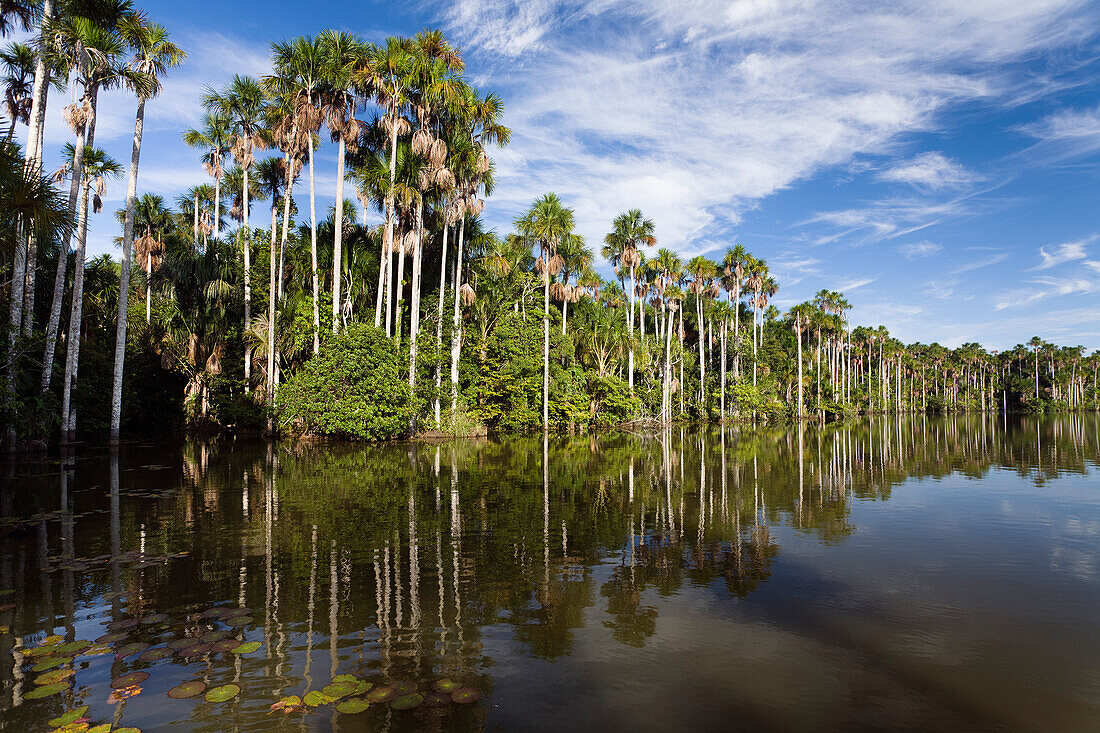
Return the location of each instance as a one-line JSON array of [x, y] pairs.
[[898, 573]]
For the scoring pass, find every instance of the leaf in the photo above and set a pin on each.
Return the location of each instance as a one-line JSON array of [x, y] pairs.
[[345, 678], [46, 691], [187, 689], [156, 654], [223, 693], [67, 717], [288, 704], [337, 690], [129, 680], [466, 695], [129, 650], [407, 702], [314, 699], [384, 693], [445, 685], [246, 648], [50, 663], [353, 706], [155, 618], [74, 646], [52, 678]]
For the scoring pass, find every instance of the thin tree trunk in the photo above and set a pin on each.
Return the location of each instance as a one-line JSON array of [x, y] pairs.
[[414, 314], [439, 325], [313, 254], [699, 328], [387, 240], [456, 331], [798, 333], [630, 330], [72, 350], [338, 239], [247, 244], [546, 346], [217, 206], [195, 234], [399, 292], [269, 394], [124, 279]]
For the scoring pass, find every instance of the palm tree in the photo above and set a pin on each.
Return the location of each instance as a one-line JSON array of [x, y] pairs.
[[214, 140], [18, 60], [299, 76], [801, 316], [1036, 344], [92, 48], [630, 231], [388, 74], [668, 268], [734, 270], [97, 167], [242, 104], [546, 225], [576, 257], [153, 55], [271, 179], [703, 271]]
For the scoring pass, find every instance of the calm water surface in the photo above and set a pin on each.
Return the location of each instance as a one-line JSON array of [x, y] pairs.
[[899, 573]]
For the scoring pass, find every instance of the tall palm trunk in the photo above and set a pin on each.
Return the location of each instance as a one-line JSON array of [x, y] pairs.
[[72, 344], [269, 393], [414, 314], [456, 329], [722, 397], [313, 255], [84, 138], [737, 330], [148, 288], [247, 244], [699, 325], [546, 344], [399, 292], [798, 333], [338, 236], [387, 240], [439, 326], [195, 226], [273, 358], [217, 205], [630, 332], [124, 277]]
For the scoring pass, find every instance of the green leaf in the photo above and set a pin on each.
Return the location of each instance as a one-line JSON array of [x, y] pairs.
[[314, 699], [247, 648], [353, 706], [223, 693], [68, 717]]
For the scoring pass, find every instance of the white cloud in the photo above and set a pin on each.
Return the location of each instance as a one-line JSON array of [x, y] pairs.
[[980, 263], [1066, 134], [1062, 253], [919, 249], [929, 170]]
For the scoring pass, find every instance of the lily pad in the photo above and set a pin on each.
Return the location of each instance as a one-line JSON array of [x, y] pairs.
[[113, 637], [194, 651], [288, 704], [79, 726], [187, 689], [128, 729], [345, 678], [125, 623], [129, 650], [211, 636], [177, 644], [382, 693], [129, 680], [223, 693], [246, 648], [239, 620], [241, 611], [50, 663], [437, 700], [74, 647], [404, 687], [214, 612], [225, 645], [104, 728], [96, 650], [445, 685], [407, 702], [313, 698], [155, 618], [337, 690], [70, 716], [361, 688], [46, 691], [51, 678], [466, 695], [154, 655], [353, 706]]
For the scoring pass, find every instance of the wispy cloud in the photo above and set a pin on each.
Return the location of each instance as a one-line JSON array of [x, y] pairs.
[[929, 171], [1066, 134], [980, 263], [1062, 253], [919, 249]]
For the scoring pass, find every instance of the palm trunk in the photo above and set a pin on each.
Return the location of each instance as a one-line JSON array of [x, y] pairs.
[[456, 330], [630, 330], [399, 293], [72, 344], [439, 327], [217, 205], [124, 279], [387, 242], [313, 254], [722, 397], [83, 139], [798, 333], [36, 129], [546, 346], [737, 331], [269, 393], [247, 244], [287, 197], [195, 230], [414, 314], [338, 238], [699, 328]]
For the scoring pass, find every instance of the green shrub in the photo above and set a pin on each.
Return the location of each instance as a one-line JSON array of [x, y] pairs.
[[353, 388]]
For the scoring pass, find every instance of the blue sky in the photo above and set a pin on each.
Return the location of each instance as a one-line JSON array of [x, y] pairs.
[[936, 160]]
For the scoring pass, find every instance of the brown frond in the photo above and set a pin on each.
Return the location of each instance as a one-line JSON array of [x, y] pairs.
[[468, 294]]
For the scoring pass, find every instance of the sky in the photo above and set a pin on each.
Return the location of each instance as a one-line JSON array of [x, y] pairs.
[[936, 161]]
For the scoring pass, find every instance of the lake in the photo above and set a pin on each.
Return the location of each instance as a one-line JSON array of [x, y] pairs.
[[900, 572]]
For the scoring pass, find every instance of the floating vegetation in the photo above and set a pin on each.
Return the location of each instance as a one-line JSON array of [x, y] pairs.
[[156, 654], [314, 699], [211, 636], [50, 663], [121, 624], [239, 620], [407, 702], [288, 704], [445, 685], [177, 644], [69, 717], [123, 693], [382, 693], [74, 647], [223, 693], [50, 678], [246, 648], [437, 700], [218, 612], [225, 645], [46, 691], [353, 706], [466, 695], [96, 650], [194, 651], [154, 618], [129, 650], [337, 690], [187, 689], [113, 637], [405, 687], [129, 680]]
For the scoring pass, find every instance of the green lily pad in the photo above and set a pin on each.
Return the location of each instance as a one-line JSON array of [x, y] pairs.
[[7, 592], [129, 650], [70, 716], [155, 618], [288, 704], [223, 693], [96, 650], [353, 706], [155, 655], [46, 691], [382, 693], [50, 663], [211, 636], [39, 651], [128, 729], [187, 689], [129, 680], [104, 728], [194, 651], [247, 648], [445, 685], [114, 636], [361, 688], [239, 620], [437, 700], [345, 678], [177, 644], [314, 699], [337, 690], [126, 623], [225, 645], [215, 612], [404, 687], [74, 647], [407, 702], [51, 678], [242, 611], [466, 695]]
